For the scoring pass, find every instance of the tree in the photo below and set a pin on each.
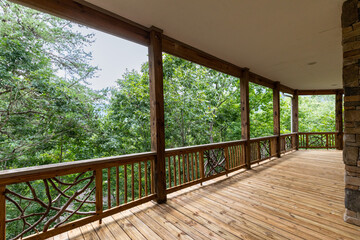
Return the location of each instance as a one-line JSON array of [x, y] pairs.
[[126, 125], [317, 113], [43, 104], [261, 111], [201, 105]]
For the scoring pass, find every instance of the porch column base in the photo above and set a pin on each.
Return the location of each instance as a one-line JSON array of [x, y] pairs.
[[352, 220], [352, 194]]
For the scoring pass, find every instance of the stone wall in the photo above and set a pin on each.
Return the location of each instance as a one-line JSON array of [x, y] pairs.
[[351, 82]]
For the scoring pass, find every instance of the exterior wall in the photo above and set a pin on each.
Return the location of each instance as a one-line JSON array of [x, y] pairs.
[[351, 82]]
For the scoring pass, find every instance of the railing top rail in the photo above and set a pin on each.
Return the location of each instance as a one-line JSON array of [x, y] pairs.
[[204, 147], [262, 138], [288, 134], [52, 170], [318, 132]]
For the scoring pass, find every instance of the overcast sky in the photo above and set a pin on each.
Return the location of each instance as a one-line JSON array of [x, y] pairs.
[[113, 56]]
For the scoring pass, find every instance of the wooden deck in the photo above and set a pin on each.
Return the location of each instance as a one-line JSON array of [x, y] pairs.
[[300, 196]]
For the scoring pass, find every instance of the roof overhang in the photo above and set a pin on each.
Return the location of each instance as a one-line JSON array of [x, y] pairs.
[[295, 42]]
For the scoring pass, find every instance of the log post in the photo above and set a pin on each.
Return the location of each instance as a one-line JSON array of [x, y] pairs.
[[226, 155], [276, 111], [245, 112], [339, 121], [201, 166], [295, 118], [157, 111]]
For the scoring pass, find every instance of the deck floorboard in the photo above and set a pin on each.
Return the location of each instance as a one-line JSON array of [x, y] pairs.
[[299, 196]]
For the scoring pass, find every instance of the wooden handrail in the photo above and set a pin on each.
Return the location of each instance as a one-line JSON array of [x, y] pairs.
[[289, 134], [262, 138], [173, 151], [58, 169], [318, 132]]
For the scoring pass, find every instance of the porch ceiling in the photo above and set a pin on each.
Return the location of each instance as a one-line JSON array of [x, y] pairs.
[[295, 42]]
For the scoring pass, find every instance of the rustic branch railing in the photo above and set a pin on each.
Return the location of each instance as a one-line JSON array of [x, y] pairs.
[[192, 165], [262, 148], [288, 142], [47, 200], [318, 140]]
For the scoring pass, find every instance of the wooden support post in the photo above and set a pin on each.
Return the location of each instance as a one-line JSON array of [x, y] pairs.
[[201, 165], [245, 112], [295, 118], [2, 213], [157, 112], [226, 155], [307, 141], [339, 121], [327, 141], [99, 191], [276, 110]]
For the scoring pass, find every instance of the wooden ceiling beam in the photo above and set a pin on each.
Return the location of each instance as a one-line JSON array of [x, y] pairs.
[[320, 92], [255, 78], [286, 89], [89, 16], [182, 50]]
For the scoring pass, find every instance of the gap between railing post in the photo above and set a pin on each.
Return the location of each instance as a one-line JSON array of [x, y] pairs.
[[2, 213], [99, 192]]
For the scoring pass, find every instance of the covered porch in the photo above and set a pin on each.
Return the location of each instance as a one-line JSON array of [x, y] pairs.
[[253, 188]]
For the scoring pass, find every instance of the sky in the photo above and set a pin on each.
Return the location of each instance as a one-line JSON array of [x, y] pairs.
[[113, 56]]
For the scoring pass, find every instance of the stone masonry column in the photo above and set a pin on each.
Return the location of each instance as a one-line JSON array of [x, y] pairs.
[[351, 82]]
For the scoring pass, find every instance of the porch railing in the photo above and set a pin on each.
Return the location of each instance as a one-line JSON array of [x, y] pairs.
[[318, 140], [262, 148], [47, 200], [43, 201], [288, 142], [187, 166]]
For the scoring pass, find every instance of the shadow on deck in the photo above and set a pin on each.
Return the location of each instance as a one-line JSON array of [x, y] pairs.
[[300, 196]]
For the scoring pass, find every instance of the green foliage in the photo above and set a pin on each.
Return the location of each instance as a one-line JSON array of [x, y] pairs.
[[201, 105], [126, 125], [44, 117], [285, 114], [317, 113], [261, 111]]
